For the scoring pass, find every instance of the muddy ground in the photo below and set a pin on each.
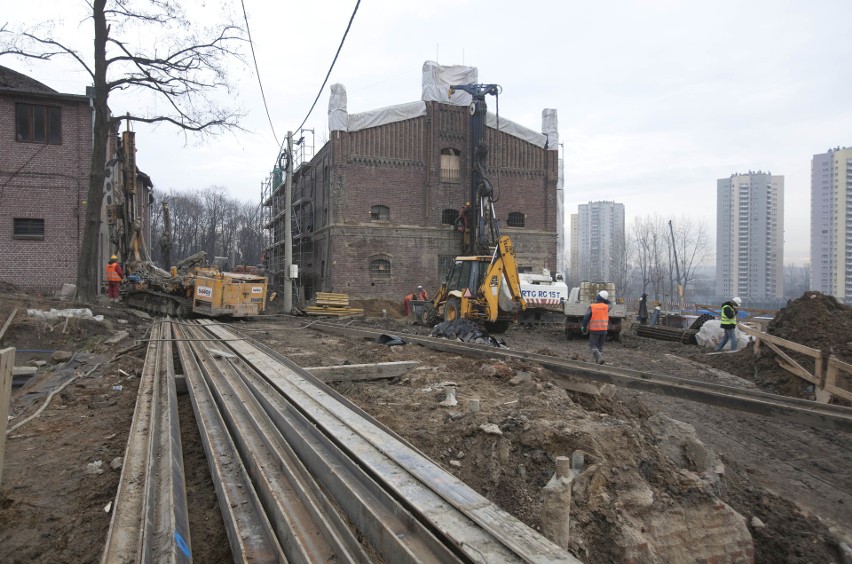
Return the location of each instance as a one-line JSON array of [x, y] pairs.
[[796, 480]]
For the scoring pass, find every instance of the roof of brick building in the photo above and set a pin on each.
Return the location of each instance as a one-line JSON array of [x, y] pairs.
[[16, 81]]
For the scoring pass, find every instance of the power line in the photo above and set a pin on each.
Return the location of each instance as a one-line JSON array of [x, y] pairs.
[[257, 71], [328, 74]]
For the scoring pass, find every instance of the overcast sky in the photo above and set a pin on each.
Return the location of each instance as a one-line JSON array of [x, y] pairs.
[[657, 99]]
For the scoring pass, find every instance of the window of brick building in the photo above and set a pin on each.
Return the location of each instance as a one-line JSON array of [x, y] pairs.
[[450, 166], [380, 268], [448, 216], [379, 213], [27, 228], [516, 219], [38, 124]]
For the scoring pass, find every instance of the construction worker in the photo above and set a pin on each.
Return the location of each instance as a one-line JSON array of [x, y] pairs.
[[729, 324], [462, 225], [643, 310], [114, 276], [596, 323], [421, 294], [406, 302]]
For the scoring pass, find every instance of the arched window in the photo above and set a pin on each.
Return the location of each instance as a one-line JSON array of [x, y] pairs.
[[379, 213], [450, 166], [448, 216], [516, 219], [380, 268]]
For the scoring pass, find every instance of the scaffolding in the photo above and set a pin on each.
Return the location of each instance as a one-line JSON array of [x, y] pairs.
[[273, 206]]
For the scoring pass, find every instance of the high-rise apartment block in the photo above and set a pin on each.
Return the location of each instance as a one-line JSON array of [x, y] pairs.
[[831, 223], [750, 236], [599, 235]]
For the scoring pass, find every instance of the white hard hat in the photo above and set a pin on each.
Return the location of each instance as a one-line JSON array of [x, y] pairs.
[[604, 294], [737, 301]]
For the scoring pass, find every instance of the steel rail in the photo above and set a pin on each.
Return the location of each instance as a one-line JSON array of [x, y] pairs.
[[796, 410], [150, 520], [466, 521], [250, 534], [306, 531]]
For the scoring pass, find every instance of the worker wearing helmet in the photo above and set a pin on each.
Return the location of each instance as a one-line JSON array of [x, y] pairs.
[[114, 275], [421, 294], [596, 323], [729, 324]]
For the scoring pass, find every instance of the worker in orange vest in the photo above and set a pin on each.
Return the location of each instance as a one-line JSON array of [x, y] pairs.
[[421, 294], [114, 276], [596, 323]]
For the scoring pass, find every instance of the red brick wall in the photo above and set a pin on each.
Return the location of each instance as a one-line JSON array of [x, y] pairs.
[[45, 182], [399, 166]]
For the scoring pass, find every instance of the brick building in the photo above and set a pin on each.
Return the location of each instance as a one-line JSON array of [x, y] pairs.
[[373, 210], [45, 155]]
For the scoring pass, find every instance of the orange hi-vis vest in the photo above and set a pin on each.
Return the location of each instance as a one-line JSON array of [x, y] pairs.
[[111, 273], [600, 317]]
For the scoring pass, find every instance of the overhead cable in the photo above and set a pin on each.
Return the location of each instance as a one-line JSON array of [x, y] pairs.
[[257, 71]]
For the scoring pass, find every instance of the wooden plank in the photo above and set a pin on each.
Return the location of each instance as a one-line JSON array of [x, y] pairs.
[[779, 341], [791, 365], [7, 361], [352, 372], [835, 366], [8, 322]]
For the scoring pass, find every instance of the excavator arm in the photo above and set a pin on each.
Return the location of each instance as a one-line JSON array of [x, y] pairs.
[[503, 266]]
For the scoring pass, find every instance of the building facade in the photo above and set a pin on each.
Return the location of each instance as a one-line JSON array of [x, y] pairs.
[[750, 236], [374, 209], [45, 156], [600, 232], [573, 275], [831, 223]]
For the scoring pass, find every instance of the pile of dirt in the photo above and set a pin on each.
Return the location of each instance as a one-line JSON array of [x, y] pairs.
[[818, 321], [380, 308], [815, 320]]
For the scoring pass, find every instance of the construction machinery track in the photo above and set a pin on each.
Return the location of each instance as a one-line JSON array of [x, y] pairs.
[[301, 473]]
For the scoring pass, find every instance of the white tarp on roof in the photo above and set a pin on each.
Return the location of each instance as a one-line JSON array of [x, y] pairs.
[[437, 80], [338, 118], [550, 128], [517, 130], [383, 116]]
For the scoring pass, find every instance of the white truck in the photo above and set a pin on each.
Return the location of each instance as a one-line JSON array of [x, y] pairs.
[[582, 297], [545, 296]]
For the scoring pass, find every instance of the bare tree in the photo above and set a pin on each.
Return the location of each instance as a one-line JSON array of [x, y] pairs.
[[622, 270], [182, 68], [648, 237], [692, 243]]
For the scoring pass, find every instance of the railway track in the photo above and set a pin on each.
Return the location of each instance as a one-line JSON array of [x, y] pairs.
[[301, 474], [795, 410]]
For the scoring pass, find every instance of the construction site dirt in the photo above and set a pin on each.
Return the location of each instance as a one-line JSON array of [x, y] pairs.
[[651, 487]]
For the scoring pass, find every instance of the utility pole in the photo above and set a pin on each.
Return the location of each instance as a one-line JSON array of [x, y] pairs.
[[677, 269], [288, 233]]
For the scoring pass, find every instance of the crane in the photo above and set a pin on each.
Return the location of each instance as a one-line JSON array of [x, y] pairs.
[[677, 269]]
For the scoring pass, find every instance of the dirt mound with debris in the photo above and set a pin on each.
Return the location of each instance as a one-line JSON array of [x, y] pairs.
[[818, 321], [815, 320]]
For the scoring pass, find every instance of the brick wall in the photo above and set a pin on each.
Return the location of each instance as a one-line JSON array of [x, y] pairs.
[[47, 182], [398, 165]]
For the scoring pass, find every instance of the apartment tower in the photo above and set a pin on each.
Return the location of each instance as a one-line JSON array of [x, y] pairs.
[[750, 236], [600, 232], [831, 223]]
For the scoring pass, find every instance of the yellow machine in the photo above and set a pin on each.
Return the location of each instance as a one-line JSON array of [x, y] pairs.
[[485, 289], [228, 293]]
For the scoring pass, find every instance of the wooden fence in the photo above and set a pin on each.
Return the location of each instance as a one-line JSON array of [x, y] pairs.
[[823, 378]]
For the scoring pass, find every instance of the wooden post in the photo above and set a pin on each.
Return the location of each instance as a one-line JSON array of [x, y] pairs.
[[7, 361]]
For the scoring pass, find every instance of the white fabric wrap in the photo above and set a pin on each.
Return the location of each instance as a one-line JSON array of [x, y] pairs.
[[550, 128], [338, 118], [437, 80]]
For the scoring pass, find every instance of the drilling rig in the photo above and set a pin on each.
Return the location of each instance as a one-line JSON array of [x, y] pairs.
[[188, 287], [483, 284]]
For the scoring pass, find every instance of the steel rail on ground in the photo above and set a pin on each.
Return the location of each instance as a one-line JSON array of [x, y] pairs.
[[296, 510], [796, 410], [150, 522], [250, 534], [408, 507]]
